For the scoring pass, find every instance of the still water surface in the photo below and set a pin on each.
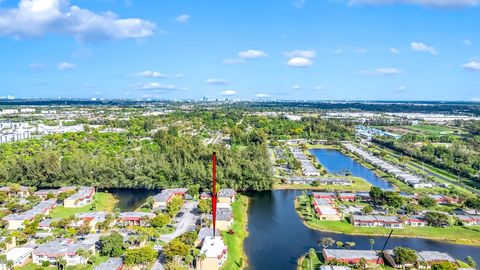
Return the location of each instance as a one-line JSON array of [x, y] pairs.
[[335, 161], [130, 199], [277, 236]]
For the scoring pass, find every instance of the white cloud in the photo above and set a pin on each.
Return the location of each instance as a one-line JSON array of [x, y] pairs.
[[301, 53], [36, 18], [150, 74], [387, 71], [228, 92], [472, 65], [36, 66], [155, 86], [216, 81], [296, 87], [66, 66], [425, 3], [300, 62], [252, 54], [261, 95], [394, 51], [233, 61], [183, 18], [299, 3], [421, 47], [380, 71]]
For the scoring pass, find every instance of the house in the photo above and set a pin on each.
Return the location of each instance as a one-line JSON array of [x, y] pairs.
[[363, 196], [351, 256], [327, 213], [19, 256], [83, 197], [61, 248], [16, 221], [43, 193], [111, 264], [429, 258], [226, 195], [203, 233], [92, 219], [469, 220], [334, 267], [205, 195], [321, 202], [416, 221], [224, 218], [215, 252], [22, 191], [346, 196], [161, 200], [134, 218], [376, 221], [9, 241], [46, 224], [324, 195]]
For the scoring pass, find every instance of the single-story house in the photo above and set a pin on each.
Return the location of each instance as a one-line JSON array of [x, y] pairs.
[[226, 195], [324, 195], [19, 256], [327, 213], [346, 196], [161, 200], [111, 264], [429, 258], [61, 248], [416, 221], [134, 218], [351, 256], [215, 252], [83, 197], [16, 221]]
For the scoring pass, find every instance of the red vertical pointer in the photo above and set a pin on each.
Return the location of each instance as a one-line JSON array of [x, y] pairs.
[[214, 193]]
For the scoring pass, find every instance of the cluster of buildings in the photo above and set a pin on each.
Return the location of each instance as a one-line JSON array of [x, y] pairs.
[[83, 197], [308, 169], [425, 259], [320, 180], [17, 221], [369, 132], [12, 132], [324, 204], [161, 200], [410, 179]]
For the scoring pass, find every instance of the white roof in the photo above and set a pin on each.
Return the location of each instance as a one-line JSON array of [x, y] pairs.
[[213, 247], [16, 253], [327, 210]]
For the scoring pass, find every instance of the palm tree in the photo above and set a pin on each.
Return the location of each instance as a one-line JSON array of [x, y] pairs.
[[339, 244], [350, 244], [372, 242], [326, 242], [311, 255]]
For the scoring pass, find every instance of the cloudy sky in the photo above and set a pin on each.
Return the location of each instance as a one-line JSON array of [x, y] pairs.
[[275, 49]]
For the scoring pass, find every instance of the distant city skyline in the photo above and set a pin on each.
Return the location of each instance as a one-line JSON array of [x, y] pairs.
[[285, 50]]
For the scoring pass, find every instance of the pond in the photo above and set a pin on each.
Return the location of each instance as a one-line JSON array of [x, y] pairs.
[[277, 236], [130, 199], [335, 161]]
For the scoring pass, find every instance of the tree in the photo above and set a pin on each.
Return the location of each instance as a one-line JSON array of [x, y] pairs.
[[444, 266], [176, 248], [140, 256], [427, 202], [205, 206], [404, 255], [326, 242], [160, 220], [473, 202], [376, 194], [339, 244], [193, 190], [367, 209], [437, 219], [174, 205], [471, 262], [111, 245], [350, 245], [311, 256], [372, 242]]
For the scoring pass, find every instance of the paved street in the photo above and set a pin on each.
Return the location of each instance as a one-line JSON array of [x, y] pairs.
[[181, 227]]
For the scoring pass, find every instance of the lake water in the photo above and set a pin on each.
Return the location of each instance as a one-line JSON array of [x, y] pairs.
[[335, 161], [277, 236], [130, 199]]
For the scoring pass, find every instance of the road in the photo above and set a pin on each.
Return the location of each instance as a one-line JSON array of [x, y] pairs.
[[181, 227], [429, 172]]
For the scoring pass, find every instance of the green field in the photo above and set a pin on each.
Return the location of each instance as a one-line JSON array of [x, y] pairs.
[[432, 130], [102, 201], [236, 258], [454, 234], [32, 266]]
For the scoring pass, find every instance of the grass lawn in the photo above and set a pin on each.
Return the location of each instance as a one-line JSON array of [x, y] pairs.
[[102, 200], [432, 130], [236, 258], [454, 234], [358, 184], [307, 263]]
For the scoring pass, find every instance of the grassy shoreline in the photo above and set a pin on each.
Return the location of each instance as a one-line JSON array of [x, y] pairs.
[[358, 184], [456, 235], [103, 202], [237, 259]]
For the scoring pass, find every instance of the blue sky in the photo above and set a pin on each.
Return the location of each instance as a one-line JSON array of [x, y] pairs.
[[275, 49]]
